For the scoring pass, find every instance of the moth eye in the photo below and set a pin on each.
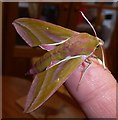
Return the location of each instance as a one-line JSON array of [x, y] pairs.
[[97, 46]]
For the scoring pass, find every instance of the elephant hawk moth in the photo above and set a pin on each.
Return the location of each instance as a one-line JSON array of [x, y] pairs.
[[66, 50]]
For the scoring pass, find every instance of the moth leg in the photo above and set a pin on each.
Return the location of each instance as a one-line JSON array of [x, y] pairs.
[[93, 56], [100, 61], [89, 63]]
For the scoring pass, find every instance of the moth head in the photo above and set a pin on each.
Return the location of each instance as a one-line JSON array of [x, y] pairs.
[[101, 42]]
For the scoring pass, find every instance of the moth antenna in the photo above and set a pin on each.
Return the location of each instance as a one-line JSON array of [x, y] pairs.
[[103, 58], [89, 23]]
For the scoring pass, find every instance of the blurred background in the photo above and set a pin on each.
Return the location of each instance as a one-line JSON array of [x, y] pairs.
[[17, 56]]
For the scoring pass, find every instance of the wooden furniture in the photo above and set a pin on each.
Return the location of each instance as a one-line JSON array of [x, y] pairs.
[[12, 89], [111, 53], [18, 57], [15, 88]]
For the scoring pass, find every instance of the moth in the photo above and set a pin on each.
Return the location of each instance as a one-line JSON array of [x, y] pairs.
[[66, 50]]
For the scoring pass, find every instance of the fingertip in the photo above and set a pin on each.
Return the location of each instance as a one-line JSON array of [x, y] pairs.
[[97, 91]]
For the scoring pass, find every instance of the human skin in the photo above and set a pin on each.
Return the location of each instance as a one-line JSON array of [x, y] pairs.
[[96, 92]]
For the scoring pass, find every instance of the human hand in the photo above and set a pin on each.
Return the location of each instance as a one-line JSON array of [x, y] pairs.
[[96, 93]]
